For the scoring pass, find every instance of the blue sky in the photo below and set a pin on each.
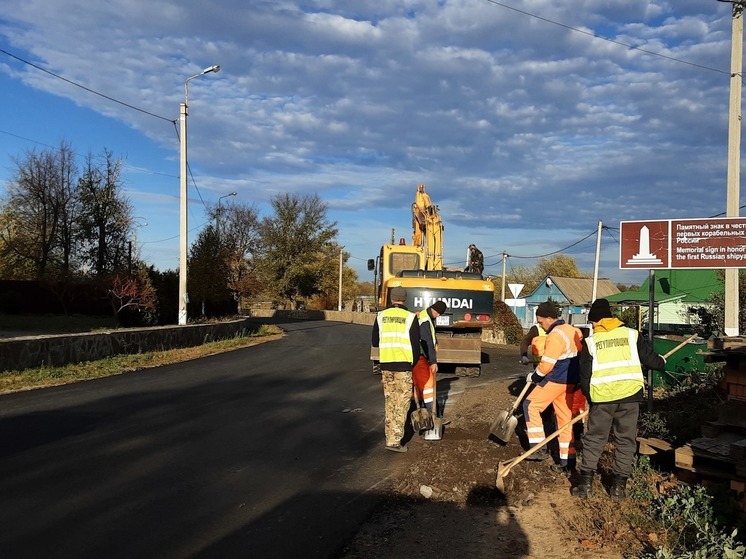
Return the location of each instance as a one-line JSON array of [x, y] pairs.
[[526, 130]]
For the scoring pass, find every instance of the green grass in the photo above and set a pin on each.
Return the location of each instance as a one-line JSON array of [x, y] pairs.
[[39, 377]]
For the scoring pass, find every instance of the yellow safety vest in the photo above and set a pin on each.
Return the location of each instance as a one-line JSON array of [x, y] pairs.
[[422, 316], [617, 372], [537, 344], [394, 344]]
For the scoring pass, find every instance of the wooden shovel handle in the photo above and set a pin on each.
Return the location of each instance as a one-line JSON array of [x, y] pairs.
[[520, 397], [678, 347], [510, 463]]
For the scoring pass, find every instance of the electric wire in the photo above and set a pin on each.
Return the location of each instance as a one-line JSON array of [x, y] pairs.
[[88, 89], [614, 41]]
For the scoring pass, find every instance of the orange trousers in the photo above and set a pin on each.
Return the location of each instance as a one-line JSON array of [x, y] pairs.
[[561, 396], [424, 381]]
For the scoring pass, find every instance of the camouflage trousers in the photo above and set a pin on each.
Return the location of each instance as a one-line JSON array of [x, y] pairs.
[[397, 397]]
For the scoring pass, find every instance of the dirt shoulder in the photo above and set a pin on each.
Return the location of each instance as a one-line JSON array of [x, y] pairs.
[[444, 502]]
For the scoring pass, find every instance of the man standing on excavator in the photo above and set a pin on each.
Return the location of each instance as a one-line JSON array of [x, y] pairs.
[[476, 260]]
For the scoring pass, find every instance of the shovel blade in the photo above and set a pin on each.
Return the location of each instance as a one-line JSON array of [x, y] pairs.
[[500, 480], [421, 420], [436, 433], [504, 426]]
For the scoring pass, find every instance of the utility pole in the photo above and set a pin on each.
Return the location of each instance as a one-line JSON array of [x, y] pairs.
[[505, 258], [340, 279], [595, 266], [734, 159]]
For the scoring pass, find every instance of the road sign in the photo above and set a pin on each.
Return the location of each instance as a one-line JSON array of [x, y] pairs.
[[515, 288], [683, 243]]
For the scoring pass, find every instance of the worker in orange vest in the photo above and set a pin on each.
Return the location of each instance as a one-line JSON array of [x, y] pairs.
[[556, 377]]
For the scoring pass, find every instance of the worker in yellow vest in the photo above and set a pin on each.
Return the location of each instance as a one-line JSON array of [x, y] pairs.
[[396, 334], [426, 367], [611, 376], [534, 339]]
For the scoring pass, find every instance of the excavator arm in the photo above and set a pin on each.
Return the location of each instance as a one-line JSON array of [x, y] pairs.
[[427, 229]]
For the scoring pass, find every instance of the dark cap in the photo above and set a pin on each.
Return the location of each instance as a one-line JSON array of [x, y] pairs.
[[399, 294], [439, 307], [546, 310], [599, 309]]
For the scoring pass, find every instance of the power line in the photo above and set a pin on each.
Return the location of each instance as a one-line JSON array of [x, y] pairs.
[[556, 251], [88, 89], [614, 41]]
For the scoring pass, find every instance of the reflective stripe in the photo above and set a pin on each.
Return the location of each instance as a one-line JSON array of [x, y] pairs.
[[394, 344], [422, 316], [617, 372]]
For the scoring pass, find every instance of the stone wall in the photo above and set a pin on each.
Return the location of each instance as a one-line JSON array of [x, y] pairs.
[[35, 351]]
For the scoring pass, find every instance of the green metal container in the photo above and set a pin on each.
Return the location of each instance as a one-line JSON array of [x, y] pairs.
[[681, 363]]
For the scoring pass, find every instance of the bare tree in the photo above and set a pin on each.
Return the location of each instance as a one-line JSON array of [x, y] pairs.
[[38, 210], [105, 216]]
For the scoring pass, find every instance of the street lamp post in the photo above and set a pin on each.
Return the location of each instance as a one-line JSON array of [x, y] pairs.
[[183, 296], [217, 220]]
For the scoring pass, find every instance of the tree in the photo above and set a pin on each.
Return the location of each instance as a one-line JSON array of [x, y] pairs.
[[208, 269], [712, 317], [291, 240], [240, 234], [559, 265], [105, 216], [133, 294], [39, 212], [326, 265]]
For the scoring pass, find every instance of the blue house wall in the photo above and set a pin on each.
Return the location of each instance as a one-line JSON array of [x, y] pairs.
[[544, 292]]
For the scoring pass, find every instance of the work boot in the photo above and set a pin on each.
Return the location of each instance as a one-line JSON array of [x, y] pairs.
[[538, 456], [617, 490], [584, 486]]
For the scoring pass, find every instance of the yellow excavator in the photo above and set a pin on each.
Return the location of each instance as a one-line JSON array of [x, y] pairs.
[[419, 269]]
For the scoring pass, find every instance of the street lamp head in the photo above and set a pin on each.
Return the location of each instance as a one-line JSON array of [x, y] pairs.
[[215, 68]]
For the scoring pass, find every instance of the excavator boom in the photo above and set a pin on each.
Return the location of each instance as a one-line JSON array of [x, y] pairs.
[[427, 229]]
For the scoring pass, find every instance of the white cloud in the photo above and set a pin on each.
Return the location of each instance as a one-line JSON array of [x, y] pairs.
[[513, 122]]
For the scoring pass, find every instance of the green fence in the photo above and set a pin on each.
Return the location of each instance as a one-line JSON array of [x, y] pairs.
[[680, 364]]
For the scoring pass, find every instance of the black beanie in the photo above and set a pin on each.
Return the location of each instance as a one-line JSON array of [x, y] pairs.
[[599, 309], [439, 307], [546, 310]]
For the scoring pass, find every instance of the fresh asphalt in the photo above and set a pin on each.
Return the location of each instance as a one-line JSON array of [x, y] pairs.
[[270, 451]]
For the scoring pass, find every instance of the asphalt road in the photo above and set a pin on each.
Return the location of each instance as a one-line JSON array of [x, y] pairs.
[[270, 451]]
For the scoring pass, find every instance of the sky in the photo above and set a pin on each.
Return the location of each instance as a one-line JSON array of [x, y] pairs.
[[529, 121]]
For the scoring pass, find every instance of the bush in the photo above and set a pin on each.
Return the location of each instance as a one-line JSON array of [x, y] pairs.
[[690, 527], [507, 322]]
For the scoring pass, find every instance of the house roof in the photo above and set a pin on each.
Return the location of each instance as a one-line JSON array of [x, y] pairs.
[[579, 291], [690, 286]]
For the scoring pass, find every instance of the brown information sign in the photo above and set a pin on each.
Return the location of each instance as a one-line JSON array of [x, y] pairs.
[[683, 243]]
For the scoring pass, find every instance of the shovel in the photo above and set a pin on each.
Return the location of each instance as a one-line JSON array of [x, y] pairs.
[[504, 426], [503, 468], [421, 418], [436, 432]]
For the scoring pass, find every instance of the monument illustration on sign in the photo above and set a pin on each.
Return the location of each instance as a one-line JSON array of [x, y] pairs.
[[644, 255]]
